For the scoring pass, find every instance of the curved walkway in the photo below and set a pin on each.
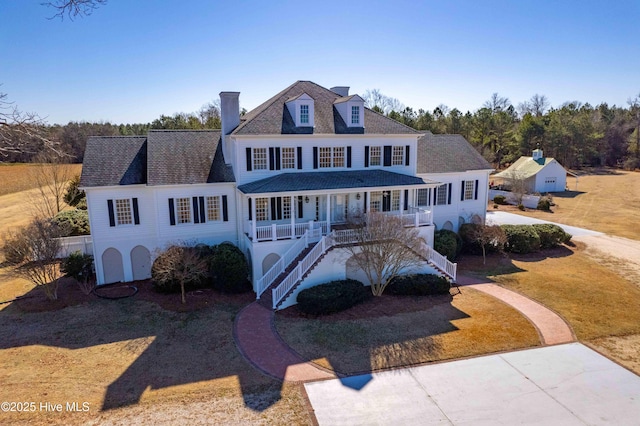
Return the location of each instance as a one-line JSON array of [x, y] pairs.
[[262, 347]]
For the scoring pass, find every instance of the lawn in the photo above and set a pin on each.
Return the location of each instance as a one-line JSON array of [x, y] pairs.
[[424, 329], [15, 176], [607, 200], [133, 361], [602, 307]]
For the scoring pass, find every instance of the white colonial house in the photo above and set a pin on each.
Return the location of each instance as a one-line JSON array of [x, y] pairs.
[[278, 182]]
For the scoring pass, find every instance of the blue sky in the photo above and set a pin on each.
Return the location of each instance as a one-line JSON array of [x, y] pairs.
[[133, 60]]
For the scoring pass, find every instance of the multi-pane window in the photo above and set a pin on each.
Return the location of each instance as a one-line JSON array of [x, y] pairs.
[[213, 209], [424, 197], [331, 157], [325, 157], [395, 200], [262, 209], [397, 157], [468, 189], [441, 195], [286, 207], [123, 212], [183, 210], [260, 159], [338, 157], [288, 158], [304, 114], [355, 115], [375, 155], [376, 201]]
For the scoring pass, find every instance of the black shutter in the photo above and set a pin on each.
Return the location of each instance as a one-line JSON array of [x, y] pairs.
[[136, 214], [475, 197], [277, 158], [248, 159], [279, 207], [299, 158], [315, 157], [406, 199], [203, 216], [387, 155], [406, 156], [349, 157], [112, 215], [462, 192], [172, 213], [272, 159], [386, 201], [449, 198], [250, 210], [225, 211], [435, 195], [196, 210], [366, 156], [365, 203], [274, 209]]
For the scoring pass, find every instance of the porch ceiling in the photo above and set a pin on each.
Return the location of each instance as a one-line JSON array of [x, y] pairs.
[[315, 181]]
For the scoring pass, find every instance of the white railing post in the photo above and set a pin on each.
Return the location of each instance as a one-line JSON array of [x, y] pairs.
[[417, 219], [274, 230]]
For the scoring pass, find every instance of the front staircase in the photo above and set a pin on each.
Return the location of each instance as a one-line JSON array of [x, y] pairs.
[[288, 280]]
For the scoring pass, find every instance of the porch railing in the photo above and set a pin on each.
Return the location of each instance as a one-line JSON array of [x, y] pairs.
[[275, 231]]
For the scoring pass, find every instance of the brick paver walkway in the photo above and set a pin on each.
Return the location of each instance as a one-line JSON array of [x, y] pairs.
[[261, 345]]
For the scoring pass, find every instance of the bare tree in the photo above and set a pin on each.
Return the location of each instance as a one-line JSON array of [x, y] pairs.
[[39, 262], [536, 106], [488, 237], [516, 182], [497, 103], [22, 132], [384, 248], [374, 99], [209, 115], [73, 8], [179, 264], [51, 177]]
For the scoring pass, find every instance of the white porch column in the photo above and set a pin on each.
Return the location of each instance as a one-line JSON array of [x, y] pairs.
[[401, 202], [368, 206], [328, 213], [254, 232], [292, 211]]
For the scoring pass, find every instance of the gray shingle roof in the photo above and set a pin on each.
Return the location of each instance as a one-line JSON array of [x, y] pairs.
[[447, 154], [186, 157], [312, 181], [272, 117], [119, 160]]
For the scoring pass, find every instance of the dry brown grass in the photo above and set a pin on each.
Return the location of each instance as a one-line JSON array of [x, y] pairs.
[[471, 323], [607, 201], [15, 177]]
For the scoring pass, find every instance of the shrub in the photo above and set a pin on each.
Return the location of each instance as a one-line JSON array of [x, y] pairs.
[[79, 266], [228, 269], [75, 222], [469, 244], [447, 243], [632, 164], [521, 207], [500, 199], [551, 235], [331, 297], [73, 194], [521, 238], [178, 264], [545, 203], [419, 285], [16, 248]]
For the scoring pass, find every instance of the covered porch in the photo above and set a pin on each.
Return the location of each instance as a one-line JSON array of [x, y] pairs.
[[322, 201]]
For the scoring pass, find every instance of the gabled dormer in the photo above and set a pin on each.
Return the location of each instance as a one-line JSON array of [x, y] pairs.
[[351, 109], [301, 110]]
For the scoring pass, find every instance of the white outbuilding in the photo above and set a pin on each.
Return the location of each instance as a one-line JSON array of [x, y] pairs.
[[536, 174]]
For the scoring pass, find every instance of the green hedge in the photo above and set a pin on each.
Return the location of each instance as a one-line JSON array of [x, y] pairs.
[[419, 285], [75, 221], [551, 235], [228, 269], [331, 297], [447, 243], [500, 199], [521, 239]]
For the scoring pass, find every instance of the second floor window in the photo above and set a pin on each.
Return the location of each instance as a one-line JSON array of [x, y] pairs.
[[123, 212], [288, 158], [325, 157], [442, 195], [213, 208], [397, 158], [183, 210], [355, 115], [260, 159], [262, 209], [331, 157], [304, 114], [375, 156]]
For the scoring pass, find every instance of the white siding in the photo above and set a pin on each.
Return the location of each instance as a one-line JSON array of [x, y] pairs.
[[553, 170]]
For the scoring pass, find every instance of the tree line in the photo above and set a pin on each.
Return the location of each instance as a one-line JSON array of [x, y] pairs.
[[576, 134]]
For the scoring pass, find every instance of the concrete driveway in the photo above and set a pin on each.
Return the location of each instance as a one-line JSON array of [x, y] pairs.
[[554, 385], [504, 218]]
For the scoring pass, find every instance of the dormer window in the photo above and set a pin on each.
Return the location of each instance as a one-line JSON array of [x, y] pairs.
[[304, 114], [301, 109], [355, 115]]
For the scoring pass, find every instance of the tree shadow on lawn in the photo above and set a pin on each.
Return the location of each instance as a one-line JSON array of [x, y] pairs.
[[379, 334], [176, 348]]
